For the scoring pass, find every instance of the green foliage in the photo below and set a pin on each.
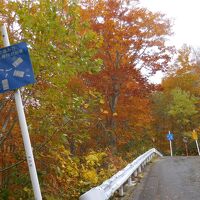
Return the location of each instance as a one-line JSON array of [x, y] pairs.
[[182, 106], [60, 44], [175, 110], [4, 194]]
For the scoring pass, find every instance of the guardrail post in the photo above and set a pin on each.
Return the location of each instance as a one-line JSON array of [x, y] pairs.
[[121, 191], [142, 166], [135, 173], [129, 181], [139, 169]]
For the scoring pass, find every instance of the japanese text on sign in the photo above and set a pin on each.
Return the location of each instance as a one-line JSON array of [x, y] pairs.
[[15, 67]]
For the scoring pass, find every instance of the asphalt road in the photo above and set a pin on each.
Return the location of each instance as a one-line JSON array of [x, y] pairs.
[[176, 178]]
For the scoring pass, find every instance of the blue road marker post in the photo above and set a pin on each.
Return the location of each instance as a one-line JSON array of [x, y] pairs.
[[15, 72], [170, 137]]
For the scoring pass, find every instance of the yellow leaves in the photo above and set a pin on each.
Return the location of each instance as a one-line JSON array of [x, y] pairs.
[[26, 189], [92, 93], [105, 112], [94, 158], [93, 162], [66, 166], [115, 114], [86, 105], [72, 170], [101, 101], [90, 175]]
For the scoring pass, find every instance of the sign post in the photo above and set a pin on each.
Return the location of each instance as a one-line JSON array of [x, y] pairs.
[[195, 137], [197, 147], [13, 58], [170, 143], [185, 140], [170, 137]]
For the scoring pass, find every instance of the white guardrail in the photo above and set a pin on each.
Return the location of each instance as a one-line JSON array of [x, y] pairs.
[[117, 182]]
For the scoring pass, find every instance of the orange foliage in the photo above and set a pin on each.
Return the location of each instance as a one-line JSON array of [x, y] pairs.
[[133, 41]]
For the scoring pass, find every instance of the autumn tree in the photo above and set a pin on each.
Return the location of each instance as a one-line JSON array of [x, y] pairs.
[[133, 49], [184, 73]]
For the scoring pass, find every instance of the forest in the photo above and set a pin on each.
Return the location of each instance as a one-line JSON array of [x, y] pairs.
[[93, 108]]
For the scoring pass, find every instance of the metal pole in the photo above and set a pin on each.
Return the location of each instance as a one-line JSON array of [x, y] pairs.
[[186, 149], [197, 147], [25, 134], [170, 143]]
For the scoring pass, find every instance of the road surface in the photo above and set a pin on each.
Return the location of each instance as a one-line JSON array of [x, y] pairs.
[[170, 178]]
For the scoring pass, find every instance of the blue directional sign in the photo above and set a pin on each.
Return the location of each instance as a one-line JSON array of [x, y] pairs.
[[170, 136], [15, 67]]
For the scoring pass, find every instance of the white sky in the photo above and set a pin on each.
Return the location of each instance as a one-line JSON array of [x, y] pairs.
[[186, 19]]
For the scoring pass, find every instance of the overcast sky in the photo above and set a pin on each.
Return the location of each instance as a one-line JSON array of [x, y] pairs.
[[186, 17]]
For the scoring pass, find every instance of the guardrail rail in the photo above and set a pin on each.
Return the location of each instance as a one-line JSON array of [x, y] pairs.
[[117, 181]]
